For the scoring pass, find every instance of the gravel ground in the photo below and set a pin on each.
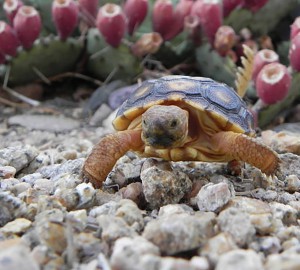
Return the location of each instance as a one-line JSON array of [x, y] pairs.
[[150, 215]]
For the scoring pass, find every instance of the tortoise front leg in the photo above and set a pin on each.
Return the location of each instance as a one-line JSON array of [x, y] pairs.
[[107, 151], [244, 148]]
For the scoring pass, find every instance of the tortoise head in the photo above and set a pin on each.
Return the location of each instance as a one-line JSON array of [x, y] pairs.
[[165, 126]]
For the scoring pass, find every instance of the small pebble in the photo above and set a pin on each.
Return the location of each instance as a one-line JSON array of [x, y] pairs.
[[7, 172], [283, 141], [238, 224], [284, 261], [292, 183], [163, 186], [213, 197], [78, 218], [240, 259], [45, 186], [171, 209], [17, 226], [16, 256], [20, 188], [285, 213], [18, 157], [126, 171], [134, 192], [267, 244], [259, 212], [128, 252], [218, 245], [11, 207], [130, 213], [112, 228], [8, 184], [52, 235], [180, 232], [290, 243], [200, 262], [86, 194]]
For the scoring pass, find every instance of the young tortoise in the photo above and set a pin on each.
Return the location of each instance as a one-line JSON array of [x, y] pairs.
[[182, 118]]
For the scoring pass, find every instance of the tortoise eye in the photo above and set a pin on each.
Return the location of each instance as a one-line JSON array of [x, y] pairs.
[[174, 123], [144, 122]]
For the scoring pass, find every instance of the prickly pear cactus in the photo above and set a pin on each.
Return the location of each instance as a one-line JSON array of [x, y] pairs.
[[105, 61], [211, 64], [48, 57], [262, 21]]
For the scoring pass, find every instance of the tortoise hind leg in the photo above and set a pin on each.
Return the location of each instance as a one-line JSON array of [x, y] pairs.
[[244, 148], [106, 152]]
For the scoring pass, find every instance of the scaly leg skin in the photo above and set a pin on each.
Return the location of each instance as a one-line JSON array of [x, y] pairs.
[[244, 148], [107, 151]]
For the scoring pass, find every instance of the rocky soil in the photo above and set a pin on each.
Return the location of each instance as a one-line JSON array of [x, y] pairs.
[[150, 214]]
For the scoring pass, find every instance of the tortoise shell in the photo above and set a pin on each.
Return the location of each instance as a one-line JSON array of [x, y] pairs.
[[219, 106]]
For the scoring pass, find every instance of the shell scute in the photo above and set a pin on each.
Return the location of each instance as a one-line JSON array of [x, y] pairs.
[[202, 94]]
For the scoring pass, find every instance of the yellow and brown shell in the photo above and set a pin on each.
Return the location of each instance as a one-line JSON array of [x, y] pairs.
[[201, 95]]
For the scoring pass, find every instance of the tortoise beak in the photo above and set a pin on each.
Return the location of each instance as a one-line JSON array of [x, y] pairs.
[[159, 140]]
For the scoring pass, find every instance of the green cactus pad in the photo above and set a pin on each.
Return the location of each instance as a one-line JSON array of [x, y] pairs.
[[267, 115], [105, 61], [48, 56], [212, 65], [44, 7], [2, 14], [283, 52], [262, 21]]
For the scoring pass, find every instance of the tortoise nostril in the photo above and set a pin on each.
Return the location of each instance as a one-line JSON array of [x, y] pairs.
[[174, 123]]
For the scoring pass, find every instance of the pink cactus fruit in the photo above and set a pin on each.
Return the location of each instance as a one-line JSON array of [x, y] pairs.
[[182, 10], [210, 16], [136, 12], [8, 39], [262, 58], [162, 17], [65, 16], [230, 5], [111, 22], [225, 39], [148, 43], [254, 5], [273, 83], [294, 53], [11, 7], [27, 24], [295, 28]]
